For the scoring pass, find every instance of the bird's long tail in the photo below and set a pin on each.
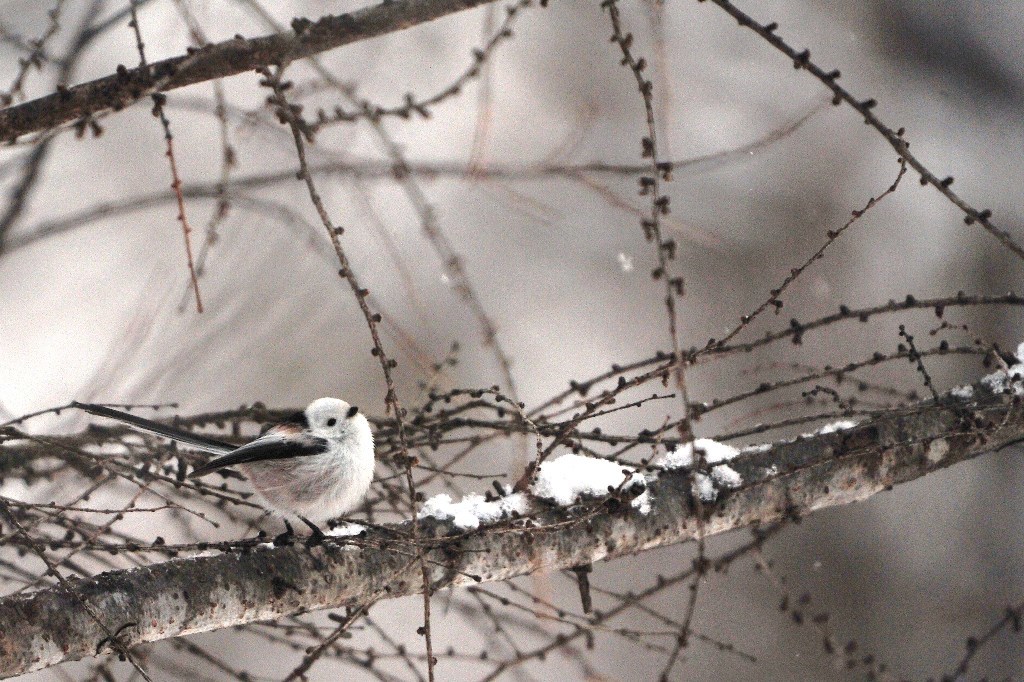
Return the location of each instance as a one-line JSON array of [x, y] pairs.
[[197, 441]]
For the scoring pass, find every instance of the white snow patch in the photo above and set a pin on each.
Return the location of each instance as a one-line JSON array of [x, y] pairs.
[[570, 477], [704, 487], [756, 449], [841, 425], [642, 503], [1011, 378], [722, 475], [473, 509], [726, 477], [345, 530], [963, 392], [714, 452]]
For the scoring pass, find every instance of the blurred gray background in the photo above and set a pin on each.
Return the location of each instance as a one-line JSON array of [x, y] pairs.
[[102, 311]]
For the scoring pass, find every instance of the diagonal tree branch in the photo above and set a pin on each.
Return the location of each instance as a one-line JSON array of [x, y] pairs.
[[220, 60], [198, 594]]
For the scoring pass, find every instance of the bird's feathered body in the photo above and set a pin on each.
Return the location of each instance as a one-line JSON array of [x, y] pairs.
[[317, 464], [318, 487], [329, 481]]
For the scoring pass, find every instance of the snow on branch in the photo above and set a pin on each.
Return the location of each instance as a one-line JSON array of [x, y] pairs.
[[261, 581]]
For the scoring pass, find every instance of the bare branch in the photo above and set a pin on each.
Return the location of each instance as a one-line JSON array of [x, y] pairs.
[[895, 138], [220, 60], [263, 582]]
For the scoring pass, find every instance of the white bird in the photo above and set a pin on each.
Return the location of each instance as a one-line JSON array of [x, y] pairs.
[[317, 464]]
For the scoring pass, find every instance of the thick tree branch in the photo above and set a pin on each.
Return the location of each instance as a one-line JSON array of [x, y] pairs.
[[190, 595], [219, 60]]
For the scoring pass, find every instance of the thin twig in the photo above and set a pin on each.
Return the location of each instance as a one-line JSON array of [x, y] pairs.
[[158, 110], [291, 116]]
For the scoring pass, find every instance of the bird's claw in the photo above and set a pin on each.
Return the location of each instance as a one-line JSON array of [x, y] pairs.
[[318, 537], [285, 538]]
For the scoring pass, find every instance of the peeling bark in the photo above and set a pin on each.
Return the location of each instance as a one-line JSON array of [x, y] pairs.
[[220, 60], [190, 595]]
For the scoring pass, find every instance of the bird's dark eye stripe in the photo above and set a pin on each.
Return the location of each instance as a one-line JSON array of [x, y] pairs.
[[332, 421], [353, 411]]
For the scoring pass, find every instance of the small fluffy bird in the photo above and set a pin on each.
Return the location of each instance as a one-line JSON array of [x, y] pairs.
[[317, 464]]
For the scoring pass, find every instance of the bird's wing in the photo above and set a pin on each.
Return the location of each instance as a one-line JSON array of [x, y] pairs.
[[281, 442], [204, 443], [291, 425]]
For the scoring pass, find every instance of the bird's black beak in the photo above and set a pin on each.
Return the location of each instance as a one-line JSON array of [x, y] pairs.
[[353, 411]]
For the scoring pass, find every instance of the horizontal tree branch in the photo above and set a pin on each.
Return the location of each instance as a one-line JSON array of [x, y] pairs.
[[220, 60], [190, 595]]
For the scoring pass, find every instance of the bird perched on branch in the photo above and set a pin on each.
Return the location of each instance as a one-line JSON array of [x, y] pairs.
[[317, 464]]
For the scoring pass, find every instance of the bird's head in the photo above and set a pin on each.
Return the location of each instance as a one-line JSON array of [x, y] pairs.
[[334, 418]]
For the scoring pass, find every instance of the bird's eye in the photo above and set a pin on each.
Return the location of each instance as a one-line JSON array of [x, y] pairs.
[[352, 411], [332, 421]]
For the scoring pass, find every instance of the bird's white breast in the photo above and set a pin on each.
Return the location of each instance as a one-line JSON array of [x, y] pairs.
[[319, 487]]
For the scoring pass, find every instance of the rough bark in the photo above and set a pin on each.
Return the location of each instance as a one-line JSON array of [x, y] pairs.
[[190, 595], [220, 60]]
